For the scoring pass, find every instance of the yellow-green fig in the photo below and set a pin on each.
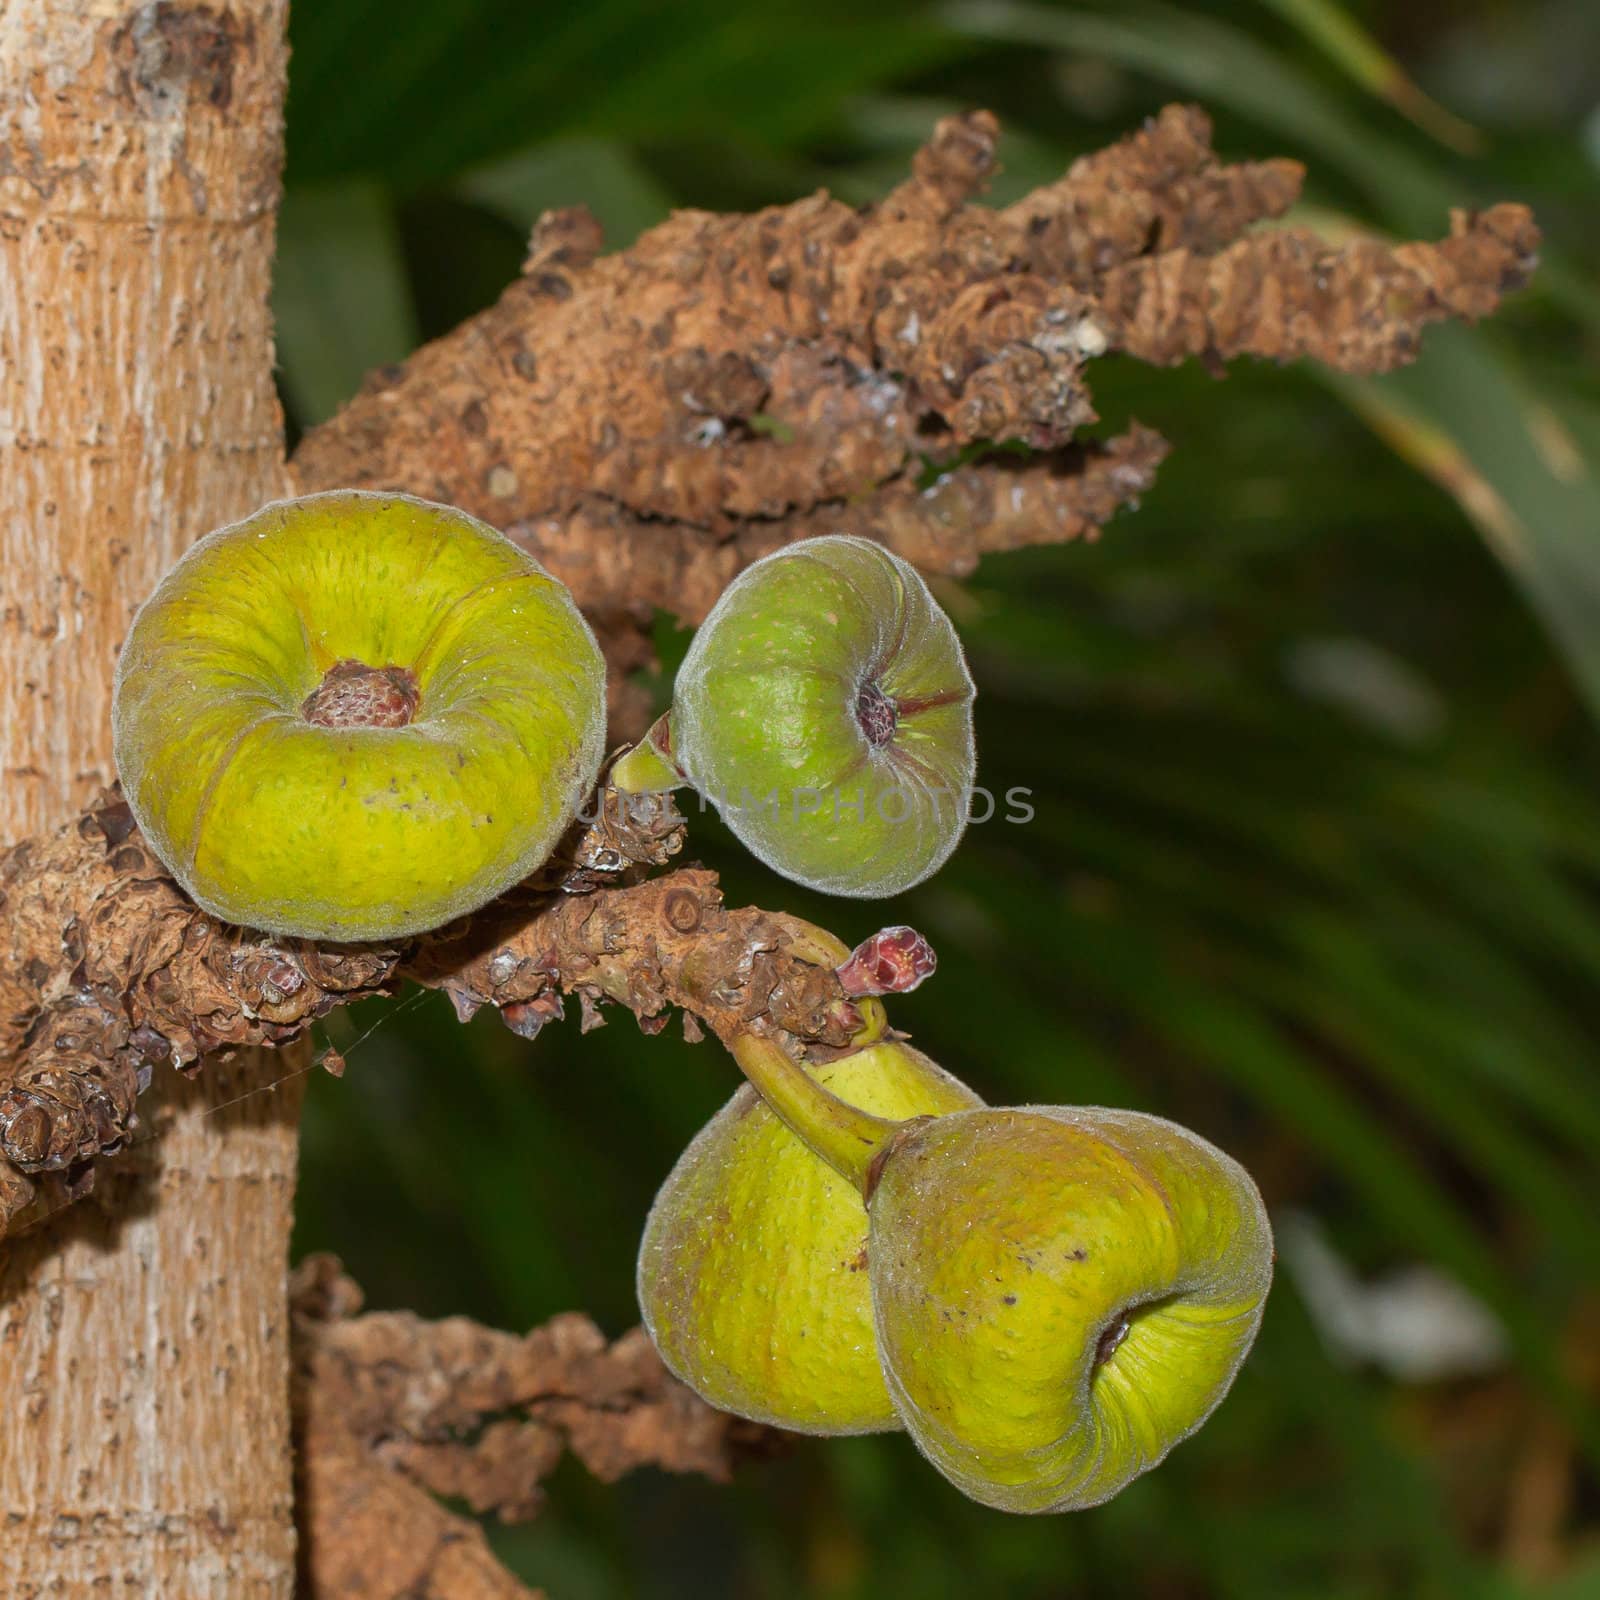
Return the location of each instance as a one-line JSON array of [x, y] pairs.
[[1060, 1295], [825, 708], [356, 716], [752, 1275]]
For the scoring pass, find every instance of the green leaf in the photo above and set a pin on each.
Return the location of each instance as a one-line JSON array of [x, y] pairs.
[[511, 75], [1465, 415], [340, 295], [598, 173], [1339, 36], [1225, 66]]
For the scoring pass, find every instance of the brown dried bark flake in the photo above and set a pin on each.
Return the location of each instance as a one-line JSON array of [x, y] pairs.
[[1287, 294], [392, 1411], [424, 1391], [979, 508]]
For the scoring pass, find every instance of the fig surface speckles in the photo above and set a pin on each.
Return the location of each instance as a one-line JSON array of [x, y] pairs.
[[1061, 1295]]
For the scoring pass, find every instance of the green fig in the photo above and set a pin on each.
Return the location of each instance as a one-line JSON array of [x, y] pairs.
[[356, 716], [1060, 1295], [825, 709], [752, 1277]]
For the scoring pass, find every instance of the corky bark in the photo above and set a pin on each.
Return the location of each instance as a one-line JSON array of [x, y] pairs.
[[144, 1339], [647, 423], [393, 1411], [182, 985]]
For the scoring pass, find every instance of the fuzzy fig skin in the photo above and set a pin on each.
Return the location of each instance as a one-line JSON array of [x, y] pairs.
[[1061, 1295], [356, 716], [752, 1275], [825, 708]]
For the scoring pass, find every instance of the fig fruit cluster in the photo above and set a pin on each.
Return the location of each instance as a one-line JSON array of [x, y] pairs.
[[359, 716], [1046, 1298]]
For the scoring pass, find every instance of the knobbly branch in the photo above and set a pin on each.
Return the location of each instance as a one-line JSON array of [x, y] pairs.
[[649, 422], [392, 1412], [984, 507], [119, 973], [1288, 294]]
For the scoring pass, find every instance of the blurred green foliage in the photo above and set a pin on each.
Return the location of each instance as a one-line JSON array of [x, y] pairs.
[[1309, 736]]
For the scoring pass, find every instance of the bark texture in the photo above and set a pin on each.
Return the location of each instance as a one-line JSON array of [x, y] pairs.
[[86, 1037], [647, 423], [393, 1412], [144, 1339]]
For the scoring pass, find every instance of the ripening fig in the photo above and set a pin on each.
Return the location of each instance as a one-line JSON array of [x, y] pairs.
[[752, 1275], [1060, 1295], [825, 709], [356, 716]]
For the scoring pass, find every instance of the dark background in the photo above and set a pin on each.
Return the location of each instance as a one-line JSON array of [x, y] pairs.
[[1310, 735]]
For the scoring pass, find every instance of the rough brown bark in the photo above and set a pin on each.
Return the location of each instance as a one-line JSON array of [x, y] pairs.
[[646, 423], [1284, 295], [144, 1339], [393, 1411], [184, 985], [980, 509]]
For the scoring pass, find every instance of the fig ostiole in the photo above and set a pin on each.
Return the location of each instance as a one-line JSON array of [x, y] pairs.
[[752, 1275], [825, 708], [1060, 1295], [356, 716]]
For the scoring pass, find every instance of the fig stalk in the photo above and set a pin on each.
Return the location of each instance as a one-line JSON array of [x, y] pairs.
[[843, 1135], [648, 767]]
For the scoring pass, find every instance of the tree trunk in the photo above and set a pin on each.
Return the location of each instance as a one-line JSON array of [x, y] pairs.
[[144, 1445]]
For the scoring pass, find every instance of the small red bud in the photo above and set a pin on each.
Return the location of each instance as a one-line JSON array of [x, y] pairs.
[[892, 961]]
